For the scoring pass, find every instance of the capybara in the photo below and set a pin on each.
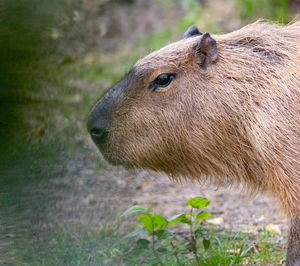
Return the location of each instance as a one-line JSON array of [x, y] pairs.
[[220, 108]]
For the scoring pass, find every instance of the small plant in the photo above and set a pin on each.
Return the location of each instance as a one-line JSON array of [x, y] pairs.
[[164, 241]]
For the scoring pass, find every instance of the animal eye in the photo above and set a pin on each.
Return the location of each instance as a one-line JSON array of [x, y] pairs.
[[162, 81]]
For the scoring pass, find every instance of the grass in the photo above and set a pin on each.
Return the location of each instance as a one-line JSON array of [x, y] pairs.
[[105, 246]]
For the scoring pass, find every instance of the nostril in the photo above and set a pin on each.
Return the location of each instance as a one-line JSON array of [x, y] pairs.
[[96, 132]]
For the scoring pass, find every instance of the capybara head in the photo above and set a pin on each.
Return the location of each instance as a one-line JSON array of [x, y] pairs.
[[222, 106], [148, 118]]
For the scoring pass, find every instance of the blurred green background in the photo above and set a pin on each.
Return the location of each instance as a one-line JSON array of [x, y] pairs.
[[56, 59]]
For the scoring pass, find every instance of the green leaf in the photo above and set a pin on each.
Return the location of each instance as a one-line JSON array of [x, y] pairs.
[[163, 234], [166, 243], [189, 214], [173, 219], [146, 220], [181, 218], [143, 243], [152, 221], [162, 249], [198, 202], [133, 209], [203, 215], [159, 221], [184, 220], [206, 243], [135, 232]]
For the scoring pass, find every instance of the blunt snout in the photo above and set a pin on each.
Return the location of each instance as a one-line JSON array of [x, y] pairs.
[[99, 119], [96, 128], [97, 124], [97, 132]]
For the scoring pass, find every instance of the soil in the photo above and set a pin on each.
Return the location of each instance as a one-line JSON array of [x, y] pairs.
[[93, 196]]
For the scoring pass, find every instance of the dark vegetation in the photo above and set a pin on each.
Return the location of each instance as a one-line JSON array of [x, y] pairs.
[[56, 59]]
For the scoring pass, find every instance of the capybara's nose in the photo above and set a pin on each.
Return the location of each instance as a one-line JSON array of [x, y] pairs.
[[96, 128], [97, 132], [99, 119]]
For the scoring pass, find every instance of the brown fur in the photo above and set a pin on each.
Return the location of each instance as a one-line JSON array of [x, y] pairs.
[[236, 121]]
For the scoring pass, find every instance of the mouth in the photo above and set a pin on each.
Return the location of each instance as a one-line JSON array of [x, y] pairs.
[[113, 158]]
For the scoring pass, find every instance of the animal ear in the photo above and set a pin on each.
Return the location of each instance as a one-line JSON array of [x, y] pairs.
[[191, 31], [205, 50]]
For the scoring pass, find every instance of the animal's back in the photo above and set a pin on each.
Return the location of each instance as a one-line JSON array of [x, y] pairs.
[[265, 67]]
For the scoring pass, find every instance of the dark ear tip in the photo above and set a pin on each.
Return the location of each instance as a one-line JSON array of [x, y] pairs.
[[207, 35], [191, 31], [193, 28]]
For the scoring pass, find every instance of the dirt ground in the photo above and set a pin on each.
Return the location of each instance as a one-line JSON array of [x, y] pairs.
[[92, 196]]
